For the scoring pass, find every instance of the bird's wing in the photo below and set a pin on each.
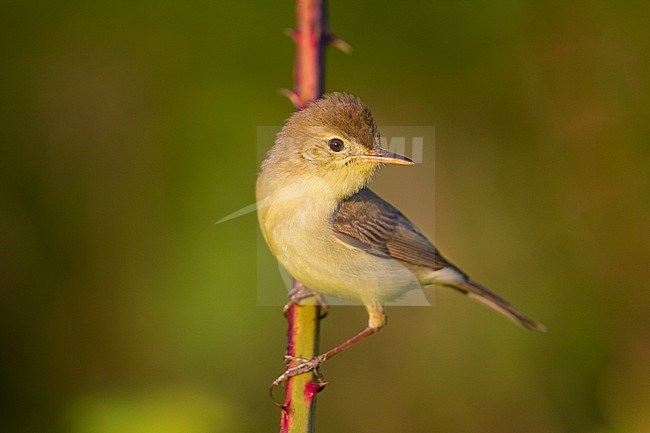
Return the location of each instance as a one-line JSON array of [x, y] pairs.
[[367, 222]]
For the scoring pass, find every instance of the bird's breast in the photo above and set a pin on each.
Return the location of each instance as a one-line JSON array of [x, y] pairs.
[[300, 235]]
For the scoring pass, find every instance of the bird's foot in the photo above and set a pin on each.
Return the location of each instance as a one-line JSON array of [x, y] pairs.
[[301, 295], [302, 365]]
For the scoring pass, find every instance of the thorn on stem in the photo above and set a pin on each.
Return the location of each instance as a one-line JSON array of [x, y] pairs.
[[342, 45], [332, 39], [291, 33], [293, 97]]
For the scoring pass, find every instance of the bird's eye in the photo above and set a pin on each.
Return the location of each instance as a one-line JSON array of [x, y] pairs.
[[336, 144]]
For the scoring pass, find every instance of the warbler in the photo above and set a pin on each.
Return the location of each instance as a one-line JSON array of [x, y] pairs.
[[335, 235]]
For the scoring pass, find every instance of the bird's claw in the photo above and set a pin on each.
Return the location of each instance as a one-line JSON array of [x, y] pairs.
[[299, 294], [302, 365]]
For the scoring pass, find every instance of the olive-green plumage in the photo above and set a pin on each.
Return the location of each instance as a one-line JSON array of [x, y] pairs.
[[334, 234]]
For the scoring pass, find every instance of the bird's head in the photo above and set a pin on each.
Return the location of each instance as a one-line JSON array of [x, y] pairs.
[[334, 141]]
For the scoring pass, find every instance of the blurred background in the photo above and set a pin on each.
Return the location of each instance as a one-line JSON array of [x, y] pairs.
[[129, 129]]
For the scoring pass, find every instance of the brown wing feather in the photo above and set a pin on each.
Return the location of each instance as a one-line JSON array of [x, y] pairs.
[[366, 221]]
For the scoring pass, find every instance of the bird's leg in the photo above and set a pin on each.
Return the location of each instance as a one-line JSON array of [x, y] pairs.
[[299, 292], [376, 320]]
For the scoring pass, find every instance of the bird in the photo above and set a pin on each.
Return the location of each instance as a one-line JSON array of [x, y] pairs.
[[335, 235]]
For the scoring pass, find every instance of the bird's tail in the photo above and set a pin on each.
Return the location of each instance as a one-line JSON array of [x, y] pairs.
[[484, 296]]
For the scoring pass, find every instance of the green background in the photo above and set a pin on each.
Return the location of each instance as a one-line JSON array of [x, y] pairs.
[[129, 128]]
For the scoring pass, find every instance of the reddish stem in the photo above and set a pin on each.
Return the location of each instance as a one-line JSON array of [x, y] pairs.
[[311, 36]]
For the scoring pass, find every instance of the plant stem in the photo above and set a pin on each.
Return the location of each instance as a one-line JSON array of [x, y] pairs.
[[311, 36], [303, 333]]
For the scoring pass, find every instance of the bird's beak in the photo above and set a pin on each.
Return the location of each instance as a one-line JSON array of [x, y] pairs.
[[386, 157]]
